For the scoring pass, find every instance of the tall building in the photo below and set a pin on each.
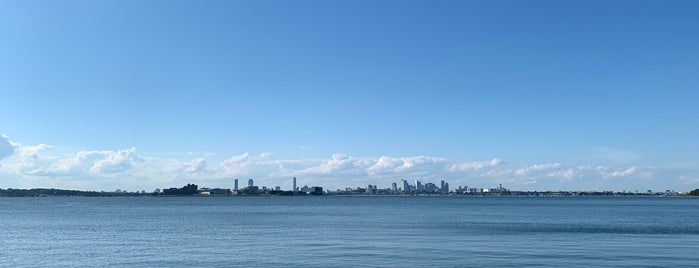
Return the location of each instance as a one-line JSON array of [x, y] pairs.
[[418, 186], [445, 187], [235, 186], [294, 186], [430, 187], [394, 187], [250, 183], [406, 186]]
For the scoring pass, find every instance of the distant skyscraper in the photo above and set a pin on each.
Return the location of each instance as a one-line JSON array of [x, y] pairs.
[[250, 183], [394, 187], [441, 187], [406, 186], [294, 187], [445, 189], [235, 186], [418, 186], [429, 187]]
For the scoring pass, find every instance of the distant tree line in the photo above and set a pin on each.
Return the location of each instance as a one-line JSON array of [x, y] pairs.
[[695, 192], [58, 192]]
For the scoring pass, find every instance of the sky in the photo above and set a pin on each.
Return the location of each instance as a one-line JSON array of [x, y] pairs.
[[536, 95]]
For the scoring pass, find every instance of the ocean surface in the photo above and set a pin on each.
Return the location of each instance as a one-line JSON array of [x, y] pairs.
[[349, 231]]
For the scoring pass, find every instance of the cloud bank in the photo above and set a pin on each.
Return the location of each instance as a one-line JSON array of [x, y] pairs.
[[34, 166]]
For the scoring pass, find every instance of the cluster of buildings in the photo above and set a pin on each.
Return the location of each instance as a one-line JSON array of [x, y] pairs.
[[404, 187], [192, 189], [250, 189]]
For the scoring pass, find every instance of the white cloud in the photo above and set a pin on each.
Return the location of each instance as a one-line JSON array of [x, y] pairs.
[[627, 172], [39, 166], [623, 173], [197, 166], [568, 174], [475, 165], [115, 162], [341, 164], [240, 165], [406, 166], [385, 164], [539, 167], [32, 151], [6, 148]]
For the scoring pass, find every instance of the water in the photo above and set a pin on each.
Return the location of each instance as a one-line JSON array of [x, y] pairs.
[[349, 232]]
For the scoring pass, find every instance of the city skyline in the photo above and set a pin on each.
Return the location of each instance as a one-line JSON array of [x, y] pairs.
[[536, 95]]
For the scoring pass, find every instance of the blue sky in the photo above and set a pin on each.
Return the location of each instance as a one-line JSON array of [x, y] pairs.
[[142, 94]]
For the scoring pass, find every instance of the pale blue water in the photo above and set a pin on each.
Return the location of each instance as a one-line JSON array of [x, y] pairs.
[[349, 232]]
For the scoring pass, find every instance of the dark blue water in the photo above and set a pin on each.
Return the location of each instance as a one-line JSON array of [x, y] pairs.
[[349, 232]]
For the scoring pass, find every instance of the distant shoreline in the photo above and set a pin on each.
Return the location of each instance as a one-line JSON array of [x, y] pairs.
[[43, 192]]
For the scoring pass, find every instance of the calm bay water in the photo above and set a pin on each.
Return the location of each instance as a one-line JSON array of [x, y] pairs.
[[349, 231]]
